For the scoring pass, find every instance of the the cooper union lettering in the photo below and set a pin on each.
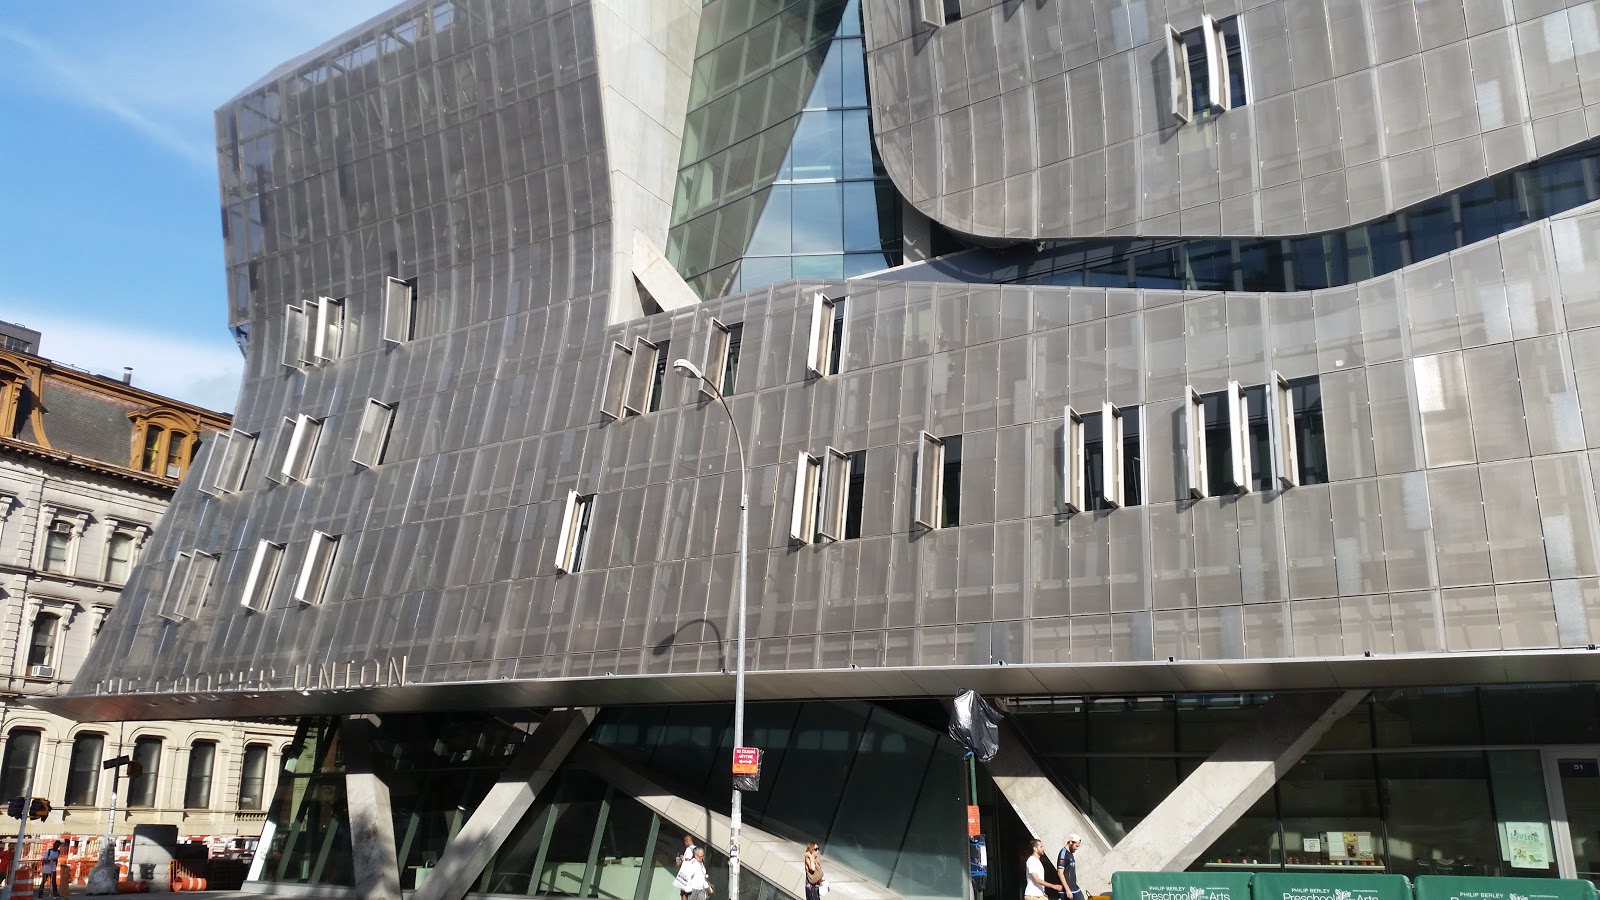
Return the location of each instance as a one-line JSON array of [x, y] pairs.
[[389, 672]]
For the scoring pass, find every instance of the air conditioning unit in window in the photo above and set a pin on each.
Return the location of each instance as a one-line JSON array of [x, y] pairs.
[[42, 672]]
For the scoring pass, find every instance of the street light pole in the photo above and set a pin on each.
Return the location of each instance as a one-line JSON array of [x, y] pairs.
[[736, 813]]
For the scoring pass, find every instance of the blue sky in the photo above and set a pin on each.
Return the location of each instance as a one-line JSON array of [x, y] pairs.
[[110, 234]]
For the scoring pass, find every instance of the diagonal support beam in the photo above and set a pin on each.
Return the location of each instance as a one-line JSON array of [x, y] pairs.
[[1228, 783], [1196, 813], [492, 822]]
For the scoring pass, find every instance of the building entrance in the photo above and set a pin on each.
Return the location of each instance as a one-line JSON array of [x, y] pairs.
[[1572, 778]]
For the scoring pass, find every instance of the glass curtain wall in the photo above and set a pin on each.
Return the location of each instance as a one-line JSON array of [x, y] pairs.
[[309, 819], [779, 177], [1432, 228], [1413, 781]]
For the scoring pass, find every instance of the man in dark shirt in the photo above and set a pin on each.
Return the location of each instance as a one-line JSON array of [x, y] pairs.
[[1067, 867]]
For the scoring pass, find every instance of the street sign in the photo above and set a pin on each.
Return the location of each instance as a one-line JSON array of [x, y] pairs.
[[746, 761], [973, 827], [113, 763]]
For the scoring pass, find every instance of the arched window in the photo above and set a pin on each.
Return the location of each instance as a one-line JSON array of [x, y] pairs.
[[83, 777], [42, 645], [142, 790], [253, 777], [197, 786], [22, 749], [164, 442]]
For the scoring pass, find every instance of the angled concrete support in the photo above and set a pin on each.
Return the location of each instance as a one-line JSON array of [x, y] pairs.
[[466, 855], [1195, 814], [1228, 783], [773, 859], [377, 872]]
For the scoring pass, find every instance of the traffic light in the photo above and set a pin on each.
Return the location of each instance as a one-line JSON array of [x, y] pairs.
[[39, 808], [14, 807]]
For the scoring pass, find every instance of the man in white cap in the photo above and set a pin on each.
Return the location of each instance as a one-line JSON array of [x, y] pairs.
[[1067, 868]]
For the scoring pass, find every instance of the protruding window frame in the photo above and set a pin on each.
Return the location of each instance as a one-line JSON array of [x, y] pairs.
[[1072, 453], [316, 570], [641, 375], [834, 496], [399, 310], [296, 336], [719, 339], [807, 494], [1238, 410], [231, 453], [615, 393], [372, 433], [1111, 473], [301, 450], [928, 502], [1280, 409], [823, 355], [1179, 88], [262, 577], [573, 543], [1219, 80], [327, 340], [187, 585], [1194, 444]]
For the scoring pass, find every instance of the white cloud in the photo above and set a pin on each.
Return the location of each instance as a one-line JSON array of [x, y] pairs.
[[195, 370]]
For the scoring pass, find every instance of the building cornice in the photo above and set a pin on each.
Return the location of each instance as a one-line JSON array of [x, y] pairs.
[[84, 463]]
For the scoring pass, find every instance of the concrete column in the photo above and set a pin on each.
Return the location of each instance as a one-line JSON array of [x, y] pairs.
[[377, 872], [1226, 785], [1048, 813], [491, 823]]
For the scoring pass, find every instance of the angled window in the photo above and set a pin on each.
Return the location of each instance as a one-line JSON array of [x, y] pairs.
[[931, 12], [83, 772], [826, 343], [1130, 419], [280, 450], [372, 440], [730, 366], [930, 481], [142, 790], [573, 541], [1310, 449], [1178, 81], [658, 376], [835, 495], [197, 784], [856, 495], [230, 459], [641, 377], [1197, 479], [1102, 462], [42, 645], [1237, 410], [262, 577], [22, 751], [938, 500], [327, 337], [721, 358], [188, 585], [1073, 448], [295, 332], [1233, 49], [613, 398], [399, 310], [302, 446], [1261, 455], [807, 496], [253, 777], [1214, 51], [312, 584]]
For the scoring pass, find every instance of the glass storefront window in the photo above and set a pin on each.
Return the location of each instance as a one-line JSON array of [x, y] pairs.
[[1522, 810], [1557, 714], [1330, 812], [1439, 817], [1426, 717]]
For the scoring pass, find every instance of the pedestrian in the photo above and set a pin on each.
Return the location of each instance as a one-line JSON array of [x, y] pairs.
[[1067, 868], [47, 870], [814, 876], [691, 859], [1037, 886], [699, 879]]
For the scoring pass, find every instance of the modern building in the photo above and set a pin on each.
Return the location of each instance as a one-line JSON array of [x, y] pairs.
[[88, 465], [1210, 384], [15, 337]]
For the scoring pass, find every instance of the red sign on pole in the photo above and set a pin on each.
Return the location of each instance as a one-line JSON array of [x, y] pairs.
[[746, 761], [973, 828]]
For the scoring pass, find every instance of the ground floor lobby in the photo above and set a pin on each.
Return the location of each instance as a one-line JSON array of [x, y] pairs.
[[1460, 780]]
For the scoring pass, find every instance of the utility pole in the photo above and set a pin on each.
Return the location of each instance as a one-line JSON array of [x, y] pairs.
[[104, 877], [22, 829]]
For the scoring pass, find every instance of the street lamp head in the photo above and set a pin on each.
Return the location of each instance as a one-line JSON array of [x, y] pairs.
[[688, 369]]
